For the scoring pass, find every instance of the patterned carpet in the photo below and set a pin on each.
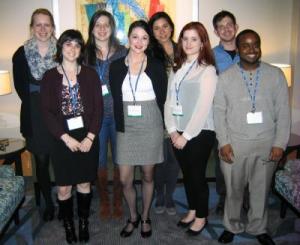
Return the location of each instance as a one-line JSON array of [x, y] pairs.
[[33, 231]]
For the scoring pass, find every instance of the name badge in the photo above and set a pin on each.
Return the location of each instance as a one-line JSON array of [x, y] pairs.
[[254, 117], [177, 110], [134, 110], [104, 90], [75, 123]]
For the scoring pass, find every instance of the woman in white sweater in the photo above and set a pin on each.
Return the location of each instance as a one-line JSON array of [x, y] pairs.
[[189, 119]]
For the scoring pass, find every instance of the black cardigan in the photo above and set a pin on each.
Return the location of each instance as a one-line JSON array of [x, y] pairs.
[[91, 96], [155, 71], [22, 78]]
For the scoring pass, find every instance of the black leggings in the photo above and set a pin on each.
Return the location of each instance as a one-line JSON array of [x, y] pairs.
[[42, 162], [193, 161]]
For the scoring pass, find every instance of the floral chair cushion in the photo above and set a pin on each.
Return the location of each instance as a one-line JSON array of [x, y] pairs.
[[287, 182], [12, 191]]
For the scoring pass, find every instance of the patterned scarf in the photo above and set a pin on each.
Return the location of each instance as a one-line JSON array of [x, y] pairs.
[[37, 64]]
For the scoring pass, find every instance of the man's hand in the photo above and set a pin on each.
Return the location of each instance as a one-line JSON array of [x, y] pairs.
[[276, 154], [226, 153]]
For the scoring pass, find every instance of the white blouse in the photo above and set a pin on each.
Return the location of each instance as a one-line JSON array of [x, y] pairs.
[[196, 95], [144, 91]]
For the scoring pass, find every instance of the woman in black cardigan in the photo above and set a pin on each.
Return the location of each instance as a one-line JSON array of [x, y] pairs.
[[138, 84], [30, 62]]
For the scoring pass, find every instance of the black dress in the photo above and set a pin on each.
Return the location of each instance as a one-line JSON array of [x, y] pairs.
[[32, 125], [74, 167]]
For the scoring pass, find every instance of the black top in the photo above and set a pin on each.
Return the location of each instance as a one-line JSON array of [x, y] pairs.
[[22, 78], [155, 71]]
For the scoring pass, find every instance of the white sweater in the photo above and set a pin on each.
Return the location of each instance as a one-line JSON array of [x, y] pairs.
[[195, 96]]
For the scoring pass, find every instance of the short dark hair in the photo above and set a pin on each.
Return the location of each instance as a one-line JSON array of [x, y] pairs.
[[144, 25], [161, 15], [244, 32], [69, 35], [139, 23], [222, 14]]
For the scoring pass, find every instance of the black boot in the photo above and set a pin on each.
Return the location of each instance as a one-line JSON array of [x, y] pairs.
[[84, 203], [66, 209], [59, 214]]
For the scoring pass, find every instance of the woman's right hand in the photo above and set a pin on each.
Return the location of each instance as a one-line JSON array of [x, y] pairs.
[[174, 136], [70, 142]]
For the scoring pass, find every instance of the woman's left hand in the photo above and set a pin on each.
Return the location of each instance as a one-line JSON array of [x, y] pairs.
[[85, 145], [180, 142]]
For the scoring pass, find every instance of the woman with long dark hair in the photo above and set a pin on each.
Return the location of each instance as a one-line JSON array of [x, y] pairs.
[[189, 119], [103, 48], [166, 174]]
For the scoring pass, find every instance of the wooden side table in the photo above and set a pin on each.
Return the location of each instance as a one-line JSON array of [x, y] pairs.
[[11, 150]]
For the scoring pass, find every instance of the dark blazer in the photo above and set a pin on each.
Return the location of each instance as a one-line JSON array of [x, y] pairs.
[[22, 78], [155, 71], [91, 96]]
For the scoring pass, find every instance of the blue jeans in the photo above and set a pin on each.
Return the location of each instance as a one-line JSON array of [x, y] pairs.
[[107, 135]]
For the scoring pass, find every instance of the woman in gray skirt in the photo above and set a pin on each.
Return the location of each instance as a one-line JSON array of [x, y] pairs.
[[138, 85]]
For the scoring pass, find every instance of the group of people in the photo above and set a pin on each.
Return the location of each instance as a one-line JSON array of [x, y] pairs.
[[159, 105]]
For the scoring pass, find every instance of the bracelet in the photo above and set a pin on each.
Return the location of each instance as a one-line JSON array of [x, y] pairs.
[[89, 138]]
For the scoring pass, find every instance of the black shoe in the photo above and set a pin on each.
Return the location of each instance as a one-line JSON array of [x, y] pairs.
[[265, 239], [48, 214], [135, 224], [226, 237], [148, 233], [184, 224], [191, 232]]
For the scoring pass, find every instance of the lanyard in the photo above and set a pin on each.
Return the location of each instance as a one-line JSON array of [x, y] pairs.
[[177, 88], [252, 95], [137, 80], [73, 92], [102, 68]]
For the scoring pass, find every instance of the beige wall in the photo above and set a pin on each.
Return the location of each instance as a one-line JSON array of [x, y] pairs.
[[14, 25], [274, 20], [260, 15]]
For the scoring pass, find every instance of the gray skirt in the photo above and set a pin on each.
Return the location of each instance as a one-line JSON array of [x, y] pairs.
[[142, 141]]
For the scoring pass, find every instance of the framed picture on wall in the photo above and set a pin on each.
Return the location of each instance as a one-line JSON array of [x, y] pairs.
[[124, 12]]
